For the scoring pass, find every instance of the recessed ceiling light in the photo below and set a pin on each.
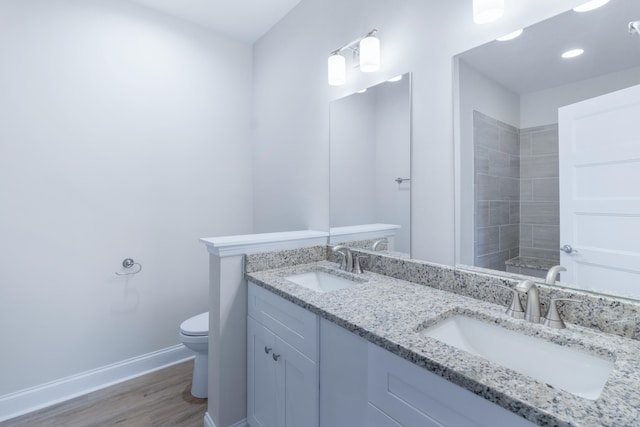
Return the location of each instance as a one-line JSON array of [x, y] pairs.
[[362, 91], [573, 53], [395, 79], [590, 5], [510, 36]]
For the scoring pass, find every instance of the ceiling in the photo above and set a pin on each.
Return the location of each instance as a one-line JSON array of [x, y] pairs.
[[532, 61], [246, 20]]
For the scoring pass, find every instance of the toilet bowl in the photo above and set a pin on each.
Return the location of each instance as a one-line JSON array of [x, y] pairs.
[[194, 334]]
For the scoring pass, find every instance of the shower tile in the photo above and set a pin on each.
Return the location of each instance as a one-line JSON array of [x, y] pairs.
[[509, 236], [539, 166], [509, 189], [544, 142], [487, 240], [526, 235], [482, 214], [526, 189], [546, 237], [509, 140], [545, 213], [514, 212], [499, 213], [546, 189]]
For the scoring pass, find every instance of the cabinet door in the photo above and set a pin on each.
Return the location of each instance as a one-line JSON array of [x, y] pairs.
[[261, 376], [343, 377], [297, 385]]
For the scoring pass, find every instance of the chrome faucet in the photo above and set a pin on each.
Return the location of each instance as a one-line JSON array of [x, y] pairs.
[[347, 257], [552, 274], [532, 312], [377, 245]]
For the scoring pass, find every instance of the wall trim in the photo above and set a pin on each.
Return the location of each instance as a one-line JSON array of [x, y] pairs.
[[208, 422], [254, 243], [28, 400]]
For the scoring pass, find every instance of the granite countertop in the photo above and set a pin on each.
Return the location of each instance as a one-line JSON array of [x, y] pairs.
[[390, 313], [527, 262]]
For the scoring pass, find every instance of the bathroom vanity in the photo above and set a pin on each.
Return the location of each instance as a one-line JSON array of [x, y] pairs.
[[359, 355]]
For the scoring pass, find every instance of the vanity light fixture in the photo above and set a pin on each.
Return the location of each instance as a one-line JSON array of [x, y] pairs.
[[365, 51], [572, 53], [337, 69], [395, 79], [590, 5], [510, 36], [370, 53], [485, 11]]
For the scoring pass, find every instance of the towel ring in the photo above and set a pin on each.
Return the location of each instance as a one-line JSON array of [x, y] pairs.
[[130, 263]]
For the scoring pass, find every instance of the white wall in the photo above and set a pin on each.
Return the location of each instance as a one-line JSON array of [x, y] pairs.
[[541, 108], [123, 133], [291, 97]]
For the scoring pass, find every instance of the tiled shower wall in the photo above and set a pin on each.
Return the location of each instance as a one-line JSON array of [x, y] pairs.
[[497, 192], [516, 192], [539, 193]]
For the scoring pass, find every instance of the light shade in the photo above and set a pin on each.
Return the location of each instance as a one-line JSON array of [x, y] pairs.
[[337, 70], [369, 54], [485, 11]]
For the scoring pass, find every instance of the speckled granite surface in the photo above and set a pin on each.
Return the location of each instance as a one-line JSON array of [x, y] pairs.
[[536, 263], [390, 312]]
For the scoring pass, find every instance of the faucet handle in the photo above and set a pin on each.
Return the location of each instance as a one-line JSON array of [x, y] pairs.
[[515, 309], [552, 318]]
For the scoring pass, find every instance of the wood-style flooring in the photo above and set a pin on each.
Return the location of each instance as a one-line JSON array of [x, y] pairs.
[[161, 398]]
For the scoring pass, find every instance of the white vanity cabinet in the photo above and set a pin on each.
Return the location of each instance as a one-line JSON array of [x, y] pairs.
[[403, 394], [282, 368], [303, 371]]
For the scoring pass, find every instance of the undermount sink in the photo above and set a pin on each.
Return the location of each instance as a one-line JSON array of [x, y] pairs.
[[321, 281], [568, 369]]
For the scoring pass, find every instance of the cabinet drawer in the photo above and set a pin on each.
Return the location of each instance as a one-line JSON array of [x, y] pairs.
[[292, 323], [413, 396], [377, 418]]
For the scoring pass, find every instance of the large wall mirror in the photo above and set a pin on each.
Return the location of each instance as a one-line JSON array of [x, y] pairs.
[[370, 158], [547, 154]]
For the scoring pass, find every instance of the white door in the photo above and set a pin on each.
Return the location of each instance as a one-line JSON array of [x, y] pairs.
[[600, 192]]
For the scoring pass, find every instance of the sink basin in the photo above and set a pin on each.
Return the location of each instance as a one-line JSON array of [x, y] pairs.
[[321, 281], [568, 369]]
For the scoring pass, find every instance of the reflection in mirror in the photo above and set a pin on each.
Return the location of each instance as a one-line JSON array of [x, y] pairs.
[[534, 174], [370, 157]]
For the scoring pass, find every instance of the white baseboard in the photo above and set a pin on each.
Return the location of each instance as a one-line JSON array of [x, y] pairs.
[[208, 422], [34, 398]]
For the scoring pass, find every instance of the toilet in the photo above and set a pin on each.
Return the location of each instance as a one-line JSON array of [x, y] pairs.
[[194, 334]]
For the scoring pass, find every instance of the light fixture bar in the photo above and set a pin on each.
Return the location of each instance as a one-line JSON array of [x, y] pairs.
[[354, 44]]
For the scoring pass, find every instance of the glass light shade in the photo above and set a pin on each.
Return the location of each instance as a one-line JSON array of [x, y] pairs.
[[337, 70], [485, 11], [369, 54]]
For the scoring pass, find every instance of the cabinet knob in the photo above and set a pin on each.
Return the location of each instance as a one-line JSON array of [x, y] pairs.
[[275, 356], [267, 349]]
